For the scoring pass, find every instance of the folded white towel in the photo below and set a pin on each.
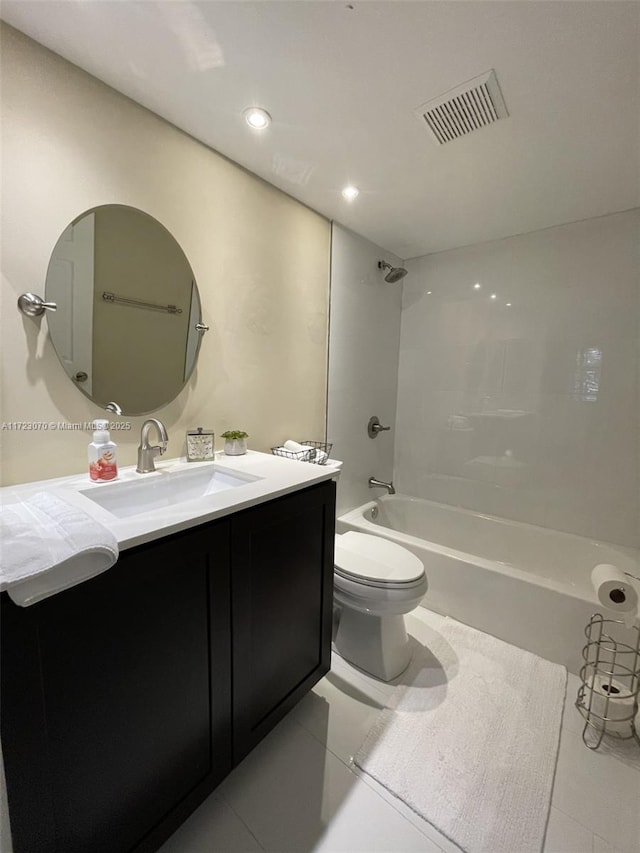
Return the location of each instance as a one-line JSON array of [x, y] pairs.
[[303, 450], [47, 545], [296, 447]]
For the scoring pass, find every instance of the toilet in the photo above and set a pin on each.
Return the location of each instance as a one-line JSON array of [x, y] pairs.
[[375, 583]]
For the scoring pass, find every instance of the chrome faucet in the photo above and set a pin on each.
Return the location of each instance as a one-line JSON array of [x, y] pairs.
[[146, 452], [373, 483]]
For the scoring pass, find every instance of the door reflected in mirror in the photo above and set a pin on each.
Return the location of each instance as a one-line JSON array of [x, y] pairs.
[[128, 305]]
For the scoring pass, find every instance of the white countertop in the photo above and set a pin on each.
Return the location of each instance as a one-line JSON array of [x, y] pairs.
[[274, 476]]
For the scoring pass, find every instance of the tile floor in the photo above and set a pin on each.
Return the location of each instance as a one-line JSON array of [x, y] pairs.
[[298, 791]]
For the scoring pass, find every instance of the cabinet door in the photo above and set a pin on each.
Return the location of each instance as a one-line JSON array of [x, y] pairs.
[[282, 595], [116, 699]]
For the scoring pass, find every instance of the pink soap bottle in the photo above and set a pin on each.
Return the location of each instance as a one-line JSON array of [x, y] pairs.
[[103, 460]]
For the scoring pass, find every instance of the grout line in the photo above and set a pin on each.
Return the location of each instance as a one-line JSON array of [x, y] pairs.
[[585, 827], [362, 777], [347, 764], [416, 820], [611, 846], [246, 826]]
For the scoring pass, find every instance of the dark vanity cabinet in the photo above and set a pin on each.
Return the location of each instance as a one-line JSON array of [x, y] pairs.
[[281, 608], [128, 698], [116, 697]]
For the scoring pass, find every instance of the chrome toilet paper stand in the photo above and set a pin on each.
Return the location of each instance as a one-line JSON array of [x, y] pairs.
[[613, 664]]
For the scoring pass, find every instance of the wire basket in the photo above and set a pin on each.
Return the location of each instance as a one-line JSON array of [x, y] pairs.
[[610, 676], [318, 452]]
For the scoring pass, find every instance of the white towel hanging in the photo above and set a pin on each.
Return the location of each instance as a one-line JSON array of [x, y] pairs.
[[47, 545]]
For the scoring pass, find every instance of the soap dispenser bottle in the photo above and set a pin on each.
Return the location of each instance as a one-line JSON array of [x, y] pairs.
[[103, 464]]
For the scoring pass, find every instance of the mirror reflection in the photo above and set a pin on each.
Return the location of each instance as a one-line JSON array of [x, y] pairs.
[[128, 307]]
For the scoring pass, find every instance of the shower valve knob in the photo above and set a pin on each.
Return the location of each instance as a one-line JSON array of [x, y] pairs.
[[374, 427]]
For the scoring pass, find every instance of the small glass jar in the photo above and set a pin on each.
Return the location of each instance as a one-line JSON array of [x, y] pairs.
[[200, 445]]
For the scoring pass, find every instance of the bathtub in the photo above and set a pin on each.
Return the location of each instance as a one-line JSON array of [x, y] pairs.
[[527, 585]]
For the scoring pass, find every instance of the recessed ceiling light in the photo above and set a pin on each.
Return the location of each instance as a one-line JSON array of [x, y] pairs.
[[429, 292], [257, 118], [350, 193], [508, 305], [477, 285], [494, 295]]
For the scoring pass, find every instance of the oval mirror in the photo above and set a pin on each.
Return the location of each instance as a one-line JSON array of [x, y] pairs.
[[125, 330]]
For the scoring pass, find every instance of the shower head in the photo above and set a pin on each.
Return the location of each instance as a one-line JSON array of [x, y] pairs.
[[394, 274]]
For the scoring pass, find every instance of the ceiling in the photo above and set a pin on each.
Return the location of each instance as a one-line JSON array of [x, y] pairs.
[[341, 81]]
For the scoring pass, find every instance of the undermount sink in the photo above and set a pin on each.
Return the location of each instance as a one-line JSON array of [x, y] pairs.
[[163, 489]]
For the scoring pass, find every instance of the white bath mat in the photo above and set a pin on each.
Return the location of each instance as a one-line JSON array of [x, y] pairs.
[[473, 748]]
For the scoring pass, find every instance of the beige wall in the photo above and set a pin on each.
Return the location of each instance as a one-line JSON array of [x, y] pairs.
[[260, 258]]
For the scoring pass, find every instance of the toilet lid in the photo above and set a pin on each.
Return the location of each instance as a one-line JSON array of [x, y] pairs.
[[372, 558]]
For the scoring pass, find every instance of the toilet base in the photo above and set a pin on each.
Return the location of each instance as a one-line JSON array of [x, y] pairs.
[[376, 644]]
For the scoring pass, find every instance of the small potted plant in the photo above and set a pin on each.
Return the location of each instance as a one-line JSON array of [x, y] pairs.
[[235, 442]]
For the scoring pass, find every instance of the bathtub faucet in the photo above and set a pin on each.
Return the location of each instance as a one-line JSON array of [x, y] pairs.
[[373, 483]]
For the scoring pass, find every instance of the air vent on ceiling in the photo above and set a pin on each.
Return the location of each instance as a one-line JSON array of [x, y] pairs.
[[468, 107]]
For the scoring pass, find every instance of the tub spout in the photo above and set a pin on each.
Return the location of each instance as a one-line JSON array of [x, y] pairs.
[[374, 483]]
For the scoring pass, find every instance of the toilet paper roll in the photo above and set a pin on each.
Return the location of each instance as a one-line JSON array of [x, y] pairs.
[[615, 716], [614, 589]]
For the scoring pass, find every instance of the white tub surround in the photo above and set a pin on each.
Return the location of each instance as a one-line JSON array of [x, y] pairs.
[[266, 477], [363, 367], [527, 585], [518, 391]]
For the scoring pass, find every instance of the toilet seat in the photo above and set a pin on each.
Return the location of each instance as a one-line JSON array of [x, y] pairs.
[[360, 581], [376, 562]]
